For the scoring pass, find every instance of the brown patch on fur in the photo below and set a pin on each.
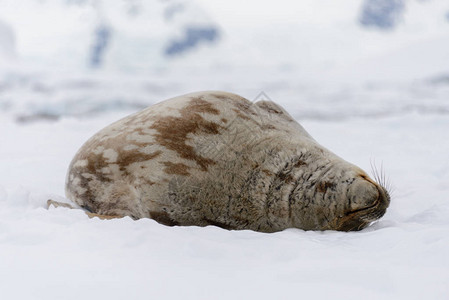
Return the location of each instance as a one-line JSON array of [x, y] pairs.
[[96, 162], [244, 108], [224, 120], [232, 97], [125, 158], [163, 218], [86, 196], [267, 172], [173, 131], [300, 163], [221, 97], [287, 178], [176, 168], [149, 182], [240, 114], [243, 105], [324, 185], [270, 107], [198, 104], [268, 127]]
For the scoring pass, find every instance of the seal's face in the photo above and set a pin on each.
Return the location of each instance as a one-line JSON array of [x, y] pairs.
[[339, 197], [348, 199], [367, 202]]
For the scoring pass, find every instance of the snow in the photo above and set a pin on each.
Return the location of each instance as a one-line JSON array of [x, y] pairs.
[[370, 96], [62, 253]]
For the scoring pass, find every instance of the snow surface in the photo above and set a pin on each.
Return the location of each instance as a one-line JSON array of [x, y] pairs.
[[367, 95], [62, 254]]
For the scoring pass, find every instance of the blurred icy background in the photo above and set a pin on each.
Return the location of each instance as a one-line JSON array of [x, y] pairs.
[[72, 57], [369, 79]]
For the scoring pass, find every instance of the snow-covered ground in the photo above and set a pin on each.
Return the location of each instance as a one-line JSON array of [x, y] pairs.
[[62, 254], [367, 94]]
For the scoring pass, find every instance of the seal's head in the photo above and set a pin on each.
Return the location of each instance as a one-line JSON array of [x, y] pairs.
[[343, 197], [367, 201]]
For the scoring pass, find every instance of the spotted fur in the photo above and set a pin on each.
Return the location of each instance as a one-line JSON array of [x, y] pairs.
[[215, 158]]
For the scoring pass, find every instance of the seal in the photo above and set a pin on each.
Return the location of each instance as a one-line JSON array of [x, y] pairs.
[[215, 158]]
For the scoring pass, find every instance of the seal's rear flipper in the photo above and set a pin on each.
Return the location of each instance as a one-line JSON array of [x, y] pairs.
[[102, 217], [89, 214], [58, 204]]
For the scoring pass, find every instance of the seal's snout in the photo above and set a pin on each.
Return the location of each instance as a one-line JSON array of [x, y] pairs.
[[367, 202], [363, 194]]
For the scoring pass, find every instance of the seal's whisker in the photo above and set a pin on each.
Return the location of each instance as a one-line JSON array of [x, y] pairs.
[[380, 176], [374, 171], [389, 187]]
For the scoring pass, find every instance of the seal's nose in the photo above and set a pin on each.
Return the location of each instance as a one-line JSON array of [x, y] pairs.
[[363, 194], [367, 202]]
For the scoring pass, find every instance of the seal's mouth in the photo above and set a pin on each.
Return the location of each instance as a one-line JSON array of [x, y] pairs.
[[359, 219], [376, 203]]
